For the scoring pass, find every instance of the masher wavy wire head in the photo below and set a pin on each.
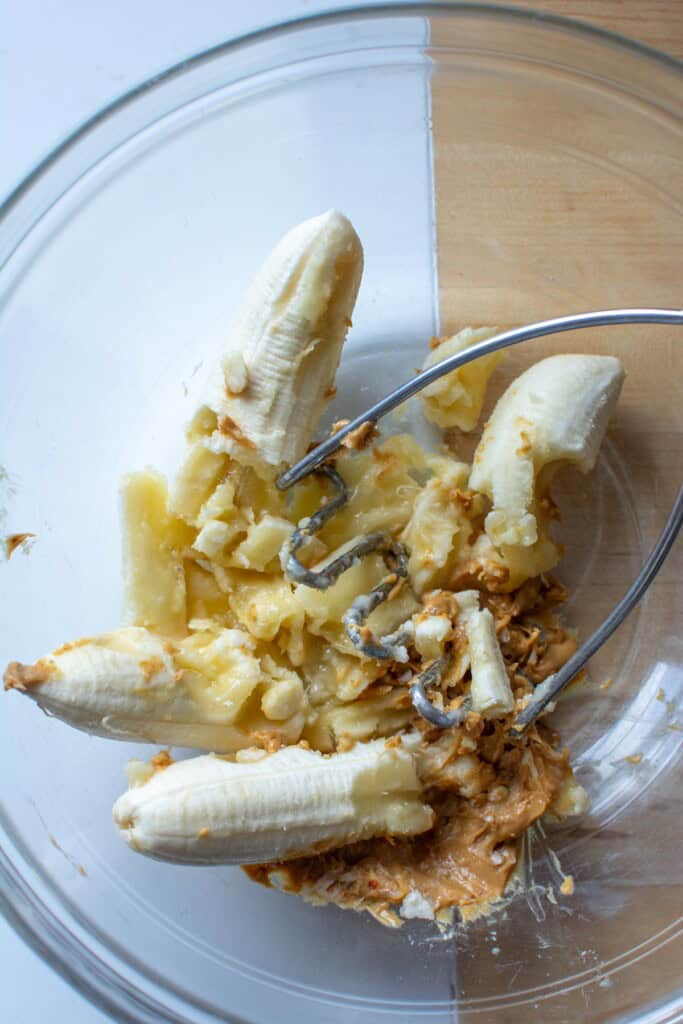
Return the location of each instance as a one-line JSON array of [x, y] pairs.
[[393, 646]]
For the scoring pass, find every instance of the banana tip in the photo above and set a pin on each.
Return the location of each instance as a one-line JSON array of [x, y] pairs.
[[23, 677]]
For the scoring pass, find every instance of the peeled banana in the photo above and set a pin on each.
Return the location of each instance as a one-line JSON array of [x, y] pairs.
[[557, 411], [213, 811], [133, 685], [286, 342], [266, 397]]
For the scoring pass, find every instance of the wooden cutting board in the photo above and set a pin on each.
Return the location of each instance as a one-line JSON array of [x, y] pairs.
[[557, 190], [658, 23]]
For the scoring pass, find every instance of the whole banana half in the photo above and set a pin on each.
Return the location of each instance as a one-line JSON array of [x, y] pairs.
[[209, 810], [555, 412], [133, 685], [285, 345]]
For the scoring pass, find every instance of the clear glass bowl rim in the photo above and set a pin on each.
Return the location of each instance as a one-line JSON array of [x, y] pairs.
[[23, 909]]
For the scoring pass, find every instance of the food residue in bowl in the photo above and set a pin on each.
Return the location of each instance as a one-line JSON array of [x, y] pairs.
[[18, 540]]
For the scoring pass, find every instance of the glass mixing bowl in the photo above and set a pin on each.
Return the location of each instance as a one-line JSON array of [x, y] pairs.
[[499, 166]]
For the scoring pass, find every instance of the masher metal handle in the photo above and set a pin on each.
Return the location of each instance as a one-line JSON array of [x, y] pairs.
[[550, 688], [601, 318]]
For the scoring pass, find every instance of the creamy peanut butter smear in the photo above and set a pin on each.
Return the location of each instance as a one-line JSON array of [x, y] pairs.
[[485, 787]]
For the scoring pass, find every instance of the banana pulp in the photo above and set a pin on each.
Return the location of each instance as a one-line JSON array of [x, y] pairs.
[[318, 773]]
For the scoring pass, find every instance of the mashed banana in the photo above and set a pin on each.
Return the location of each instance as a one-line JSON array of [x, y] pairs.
[[206, 564]]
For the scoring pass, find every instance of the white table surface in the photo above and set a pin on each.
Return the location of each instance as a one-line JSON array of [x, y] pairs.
[[60, 61]]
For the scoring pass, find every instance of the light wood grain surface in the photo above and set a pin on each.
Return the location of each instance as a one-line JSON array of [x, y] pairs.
[[558, 165], [557, 191], [657, 23]]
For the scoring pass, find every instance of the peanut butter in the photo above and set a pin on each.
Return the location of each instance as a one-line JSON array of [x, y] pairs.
[[466, 859], [485, 787]]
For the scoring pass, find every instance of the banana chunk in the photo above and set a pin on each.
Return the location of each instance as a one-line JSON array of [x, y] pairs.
[[457, 399], [557, 411], [490, 690], [134, 685], [286, 342], [208, 810]]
